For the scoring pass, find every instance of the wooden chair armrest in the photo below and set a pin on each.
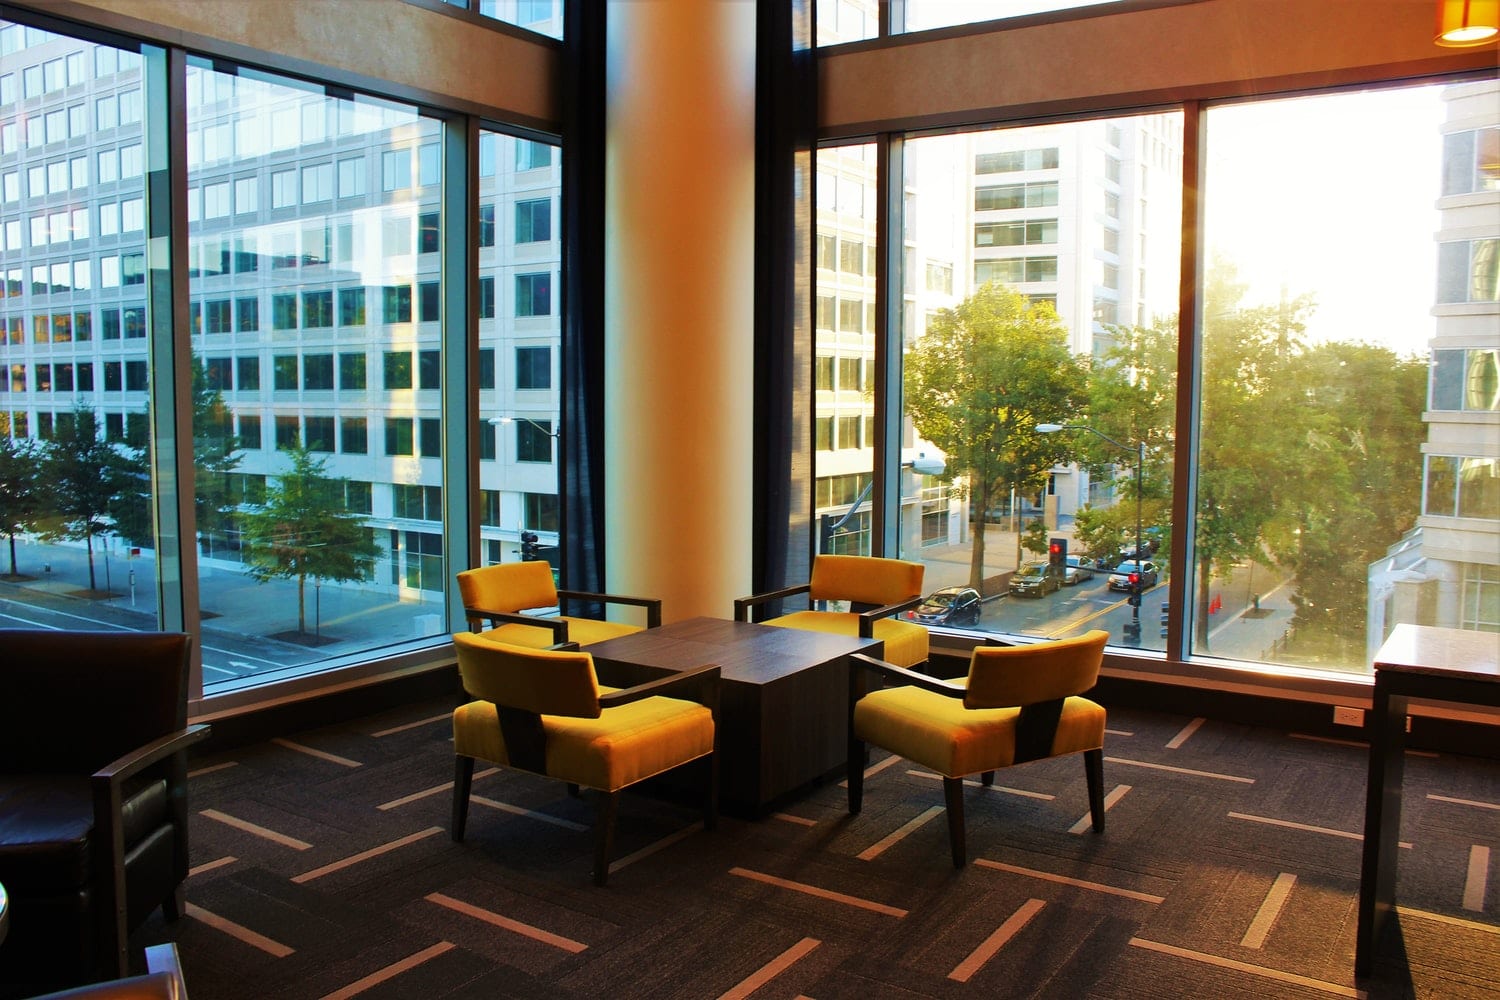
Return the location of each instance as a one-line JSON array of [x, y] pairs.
[[117, 771], [936, 685], [743, 605], [651, 604], [557, 625], [702, 682], [867, 619]]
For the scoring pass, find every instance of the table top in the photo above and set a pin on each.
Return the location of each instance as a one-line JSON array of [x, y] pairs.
[[744, 651], [1460, 654]]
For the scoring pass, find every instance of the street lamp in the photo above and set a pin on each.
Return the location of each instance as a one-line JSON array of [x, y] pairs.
[[1133, 627]]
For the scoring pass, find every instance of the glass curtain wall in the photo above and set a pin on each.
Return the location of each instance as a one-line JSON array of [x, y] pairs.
[[520, 333], [316, 268], [314, 238], [541, 16], [75, 485], [844, 349], [1348, 474], [1039, 289]]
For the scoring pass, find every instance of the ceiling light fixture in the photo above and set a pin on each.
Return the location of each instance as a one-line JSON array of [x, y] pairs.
[[1467, 22]]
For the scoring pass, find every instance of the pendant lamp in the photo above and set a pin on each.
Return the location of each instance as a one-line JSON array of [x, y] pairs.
[[1467, 22]]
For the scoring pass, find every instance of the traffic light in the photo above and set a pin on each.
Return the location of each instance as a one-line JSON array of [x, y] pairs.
[[1135, 600], [528, 546], [1135, 586], [1057, 552]]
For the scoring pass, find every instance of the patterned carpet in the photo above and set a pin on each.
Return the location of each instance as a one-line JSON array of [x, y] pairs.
[[323, 868]]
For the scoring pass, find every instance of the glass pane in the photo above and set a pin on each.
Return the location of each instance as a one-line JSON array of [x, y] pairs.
[[73, 347], [1040, 287], [922, 14], [303, 280], [846, 20], [1310, 468], [844, 349], [542, 16], [520, 334]]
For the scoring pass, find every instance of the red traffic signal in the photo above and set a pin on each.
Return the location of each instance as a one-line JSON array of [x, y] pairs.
[[1135, 579]]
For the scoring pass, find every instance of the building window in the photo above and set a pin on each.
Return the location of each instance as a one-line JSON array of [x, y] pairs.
[[287, 433], [539, 511], [351, 370], [317, 309], [351, 306], [430, 437], [486, 225], [398, 436], [534, 294], [396, 303], [317, 373], [533, 368], [534, 220], [429, 370], [354, 436], [486, 308], [319, 433], [533, 441], [397, 370], [284, 312], [284, 372]]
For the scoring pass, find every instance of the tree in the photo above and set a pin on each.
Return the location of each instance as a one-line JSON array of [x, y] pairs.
[[979, 381], [215, 456], [20, 490], [85, 478], [303, 530]]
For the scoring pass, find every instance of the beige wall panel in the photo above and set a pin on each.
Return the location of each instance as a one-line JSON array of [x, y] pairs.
[[1210, 48], [679, 256], [428, 54]]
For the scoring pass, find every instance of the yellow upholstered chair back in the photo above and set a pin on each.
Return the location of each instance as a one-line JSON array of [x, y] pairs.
[[508, 587], [540, 681], [865, 579], [1010, 676]]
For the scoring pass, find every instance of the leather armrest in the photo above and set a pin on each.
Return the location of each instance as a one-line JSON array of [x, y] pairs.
[[699, 683]]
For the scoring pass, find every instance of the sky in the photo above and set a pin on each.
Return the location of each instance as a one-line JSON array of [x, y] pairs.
[[1333, 195]]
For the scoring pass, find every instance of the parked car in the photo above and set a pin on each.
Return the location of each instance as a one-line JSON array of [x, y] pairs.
[[1078, 569], [1119, 577], [1036, 579], [949, 606]]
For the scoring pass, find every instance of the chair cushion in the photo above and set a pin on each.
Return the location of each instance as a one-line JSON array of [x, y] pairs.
[[580, 630], [624, 745], [937, 732], [905, 642], [45, 823], [864, 579]]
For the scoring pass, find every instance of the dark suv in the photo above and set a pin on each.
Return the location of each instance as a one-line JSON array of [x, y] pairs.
[[949, 606], [1036, 579]]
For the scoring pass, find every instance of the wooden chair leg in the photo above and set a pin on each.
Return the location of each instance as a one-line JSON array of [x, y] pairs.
[[953, 795], [175, 905], [856, 775], [987, 779], [463, 777], [604, 836], [1093, 765], [573, 792]]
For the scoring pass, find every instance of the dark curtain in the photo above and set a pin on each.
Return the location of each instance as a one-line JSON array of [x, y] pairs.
[[785, 124], [581, 538]]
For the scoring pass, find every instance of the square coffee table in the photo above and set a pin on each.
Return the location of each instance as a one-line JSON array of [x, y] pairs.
[[784, 697]]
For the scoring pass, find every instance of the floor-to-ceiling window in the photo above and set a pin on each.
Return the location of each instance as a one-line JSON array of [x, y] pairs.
[[519, 340], [329, 359], [1039, 287], [74, 426]]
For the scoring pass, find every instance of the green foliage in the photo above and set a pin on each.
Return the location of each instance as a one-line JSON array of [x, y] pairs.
[[1034, 539], [20, 490], [303, 531], [85, 479], [979, 381]]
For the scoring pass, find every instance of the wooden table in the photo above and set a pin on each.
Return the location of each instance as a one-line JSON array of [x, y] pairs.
[[783, 708], [1417, 661]]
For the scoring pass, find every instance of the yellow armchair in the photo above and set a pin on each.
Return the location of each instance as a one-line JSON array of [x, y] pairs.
[[544, 711], [499, 594], [875, 588], [1018, 704]]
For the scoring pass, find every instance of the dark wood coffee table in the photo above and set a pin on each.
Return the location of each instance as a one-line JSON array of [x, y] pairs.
[[784, 698]]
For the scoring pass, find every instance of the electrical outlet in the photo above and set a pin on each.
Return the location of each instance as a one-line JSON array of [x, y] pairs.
[[1345, 716]]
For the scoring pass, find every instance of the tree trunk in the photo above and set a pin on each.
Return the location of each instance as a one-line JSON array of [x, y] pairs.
[[13, 554], [88, 542], [301, 603], [1200, 627], [976, 550]]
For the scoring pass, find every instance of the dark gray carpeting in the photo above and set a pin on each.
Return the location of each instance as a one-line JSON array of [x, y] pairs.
[[321, 871]]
